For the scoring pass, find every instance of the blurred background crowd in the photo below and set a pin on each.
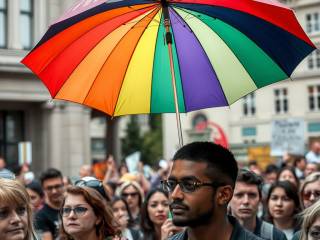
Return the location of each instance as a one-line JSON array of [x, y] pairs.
[[130, 201]]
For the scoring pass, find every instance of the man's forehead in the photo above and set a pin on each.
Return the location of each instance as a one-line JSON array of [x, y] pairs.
[[242, 186], [182, 168], [52, 181]]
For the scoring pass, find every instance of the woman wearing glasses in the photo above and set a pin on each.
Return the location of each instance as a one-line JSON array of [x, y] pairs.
[[309, 194], [155, 224], [132, 192], [85, 215], [310, 190], [15, 211]]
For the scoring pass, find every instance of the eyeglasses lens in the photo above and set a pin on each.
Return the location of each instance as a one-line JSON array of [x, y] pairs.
[[79, 211]]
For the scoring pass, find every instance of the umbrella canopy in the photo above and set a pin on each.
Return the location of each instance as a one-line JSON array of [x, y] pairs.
[[112, 55]]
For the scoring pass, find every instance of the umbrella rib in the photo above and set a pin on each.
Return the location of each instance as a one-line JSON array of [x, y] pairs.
[[84, 33], [85, 55], [228, 47], [157, 9], [255, 42], [271, 55], [107, 60], [154, 55], [195, 36], [182, 87]]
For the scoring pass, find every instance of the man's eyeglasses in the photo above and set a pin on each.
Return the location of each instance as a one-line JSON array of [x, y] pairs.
[[93, 183], [186, 185], [126, 195], [307, 195], [56, 187], [78, 211]]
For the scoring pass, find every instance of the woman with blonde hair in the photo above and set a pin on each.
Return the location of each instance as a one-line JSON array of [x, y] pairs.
[[311, 223], [86, 215], [15, 211], [310, 190]]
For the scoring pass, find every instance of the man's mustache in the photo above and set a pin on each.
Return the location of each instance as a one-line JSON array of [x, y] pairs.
[[178, 204]]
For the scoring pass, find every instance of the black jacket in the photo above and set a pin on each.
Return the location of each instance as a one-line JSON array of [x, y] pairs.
[[238, 233]]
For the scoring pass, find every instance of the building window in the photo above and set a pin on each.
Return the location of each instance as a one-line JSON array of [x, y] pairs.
[[3, 23], [314, 127], [313, 22], [314, 59], [249, 106], [26, 20], [11, 133], [314, 98], [98, 146], [198, 119], [249, 131], [281, 100]]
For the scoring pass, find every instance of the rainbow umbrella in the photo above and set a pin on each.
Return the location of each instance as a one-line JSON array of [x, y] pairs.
[[146, 56]]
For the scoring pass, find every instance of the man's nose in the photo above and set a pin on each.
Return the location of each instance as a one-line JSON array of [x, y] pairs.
[[245, 199], [177, 192], [54, 190]]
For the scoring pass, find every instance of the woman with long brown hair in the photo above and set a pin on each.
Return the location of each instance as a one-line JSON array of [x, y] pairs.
[[86, 215]]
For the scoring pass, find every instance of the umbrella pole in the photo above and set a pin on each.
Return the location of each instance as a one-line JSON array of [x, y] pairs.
[[173, 78]]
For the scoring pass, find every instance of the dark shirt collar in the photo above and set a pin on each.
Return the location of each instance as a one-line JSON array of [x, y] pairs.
[[237, 231], [258, 227]]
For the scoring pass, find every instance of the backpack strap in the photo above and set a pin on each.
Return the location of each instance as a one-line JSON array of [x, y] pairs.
[[266, 231]]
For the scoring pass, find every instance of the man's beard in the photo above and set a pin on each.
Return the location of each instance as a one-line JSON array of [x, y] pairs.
[[199, 220]]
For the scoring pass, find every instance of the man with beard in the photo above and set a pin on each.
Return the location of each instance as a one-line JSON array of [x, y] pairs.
[[200, 184], [47, 219], [244, 206]]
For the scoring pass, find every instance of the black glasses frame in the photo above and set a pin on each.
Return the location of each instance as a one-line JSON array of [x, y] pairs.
[[195, 185]]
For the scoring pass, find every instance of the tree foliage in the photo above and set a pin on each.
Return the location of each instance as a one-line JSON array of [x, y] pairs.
[[149, 144]]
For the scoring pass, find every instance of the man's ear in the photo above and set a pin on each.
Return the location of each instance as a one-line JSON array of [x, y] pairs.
[[224, 195]]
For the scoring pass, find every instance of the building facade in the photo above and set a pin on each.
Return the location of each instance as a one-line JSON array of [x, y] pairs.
[[247, 124], [59, 132]]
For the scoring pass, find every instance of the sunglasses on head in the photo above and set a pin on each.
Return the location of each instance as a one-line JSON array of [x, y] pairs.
[[95, 184]]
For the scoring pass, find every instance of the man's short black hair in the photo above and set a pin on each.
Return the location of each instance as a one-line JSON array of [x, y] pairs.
[[250, 178], [271, 168], [222, 166], [49, 174]]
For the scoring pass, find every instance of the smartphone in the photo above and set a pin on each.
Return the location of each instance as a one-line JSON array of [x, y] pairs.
[[170, 215]]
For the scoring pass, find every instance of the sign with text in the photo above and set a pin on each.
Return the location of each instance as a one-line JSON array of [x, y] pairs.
[[287, 137]]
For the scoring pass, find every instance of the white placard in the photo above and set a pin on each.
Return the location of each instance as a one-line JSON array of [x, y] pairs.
[[25, 153], [132, 162], [287, 137]]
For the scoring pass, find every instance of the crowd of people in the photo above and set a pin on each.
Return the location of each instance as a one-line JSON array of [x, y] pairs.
[[202, 193]]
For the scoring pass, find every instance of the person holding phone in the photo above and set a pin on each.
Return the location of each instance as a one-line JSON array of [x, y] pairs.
[[155, 224]]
